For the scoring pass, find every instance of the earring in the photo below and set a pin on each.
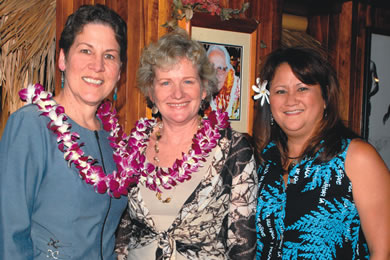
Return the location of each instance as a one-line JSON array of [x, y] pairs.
[[272, 120], [62, 78], [115, 96], [325, 112], [203, 105], [154, 109]]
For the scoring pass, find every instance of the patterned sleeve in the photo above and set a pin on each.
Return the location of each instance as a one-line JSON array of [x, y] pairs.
[[241, 233]]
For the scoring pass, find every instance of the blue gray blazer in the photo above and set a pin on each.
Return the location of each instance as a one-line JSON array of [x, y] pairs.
[[46, 210]]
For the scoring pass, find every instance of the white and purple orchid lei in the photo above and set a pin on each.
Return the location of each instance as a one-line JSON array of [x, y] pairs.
[[261, 90], [114, 184], [129, 151], [153, 177]]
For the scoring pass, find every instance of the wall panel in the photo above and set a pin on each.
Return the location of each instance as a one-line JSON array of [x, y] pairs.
[[144, 19], [342, 34]]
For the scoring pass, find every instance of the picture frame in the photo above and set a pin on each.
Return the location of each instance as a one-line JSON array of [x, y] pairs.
[[376, 106], [239, 38]]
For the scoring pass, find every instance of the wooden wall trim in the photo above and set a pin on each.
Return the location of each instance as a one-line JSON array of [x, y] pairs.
[[357, 56]]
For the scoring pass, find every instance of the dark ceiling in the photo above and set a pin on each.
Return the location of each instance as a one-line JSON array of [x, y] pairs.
[[317, 7]]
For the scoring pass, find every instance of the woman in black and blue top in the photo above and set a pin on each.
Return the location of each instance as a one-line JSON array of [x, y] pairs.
[[323, 192]]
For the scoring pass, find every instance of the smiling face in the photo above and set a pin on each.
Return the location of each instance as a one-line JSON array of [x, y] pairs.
[[217, 58], [177, 92], [298, 108], [92, 66]]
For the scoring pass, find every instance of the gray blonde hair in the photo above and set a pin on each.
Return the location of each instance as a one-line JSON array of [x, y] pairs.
[[169, 49]]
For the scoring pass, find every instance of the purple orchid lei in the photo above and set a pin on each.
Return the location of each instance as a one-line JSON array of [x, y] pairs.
[[114, 184], [129, 151], [153, 177]]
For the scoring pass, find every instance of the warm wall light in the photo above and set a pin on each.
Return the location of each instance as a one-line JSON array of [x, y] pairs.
[[294, 22]]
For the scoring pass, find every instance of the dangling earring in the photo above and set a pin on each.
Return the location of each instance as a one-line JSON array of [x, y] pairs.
[[115, 96], [272, 120], [203, 105], [325, 112], [62, 78], [154, 109]]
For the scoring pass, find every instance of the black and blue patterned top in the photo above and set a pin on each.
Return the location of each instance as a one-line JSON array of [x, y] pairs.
[[313, 217]]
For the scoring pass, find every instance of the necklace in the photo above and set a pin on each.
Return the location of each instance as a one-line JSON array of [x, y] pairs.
[[114, 184], [157, 160], [156, 149], [156, 178], [291, 165], [294, 161], [158, 135]]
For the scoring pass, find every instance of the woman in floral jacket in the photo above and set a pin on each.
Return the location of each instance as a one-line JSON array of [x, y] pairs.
[[196, 196]]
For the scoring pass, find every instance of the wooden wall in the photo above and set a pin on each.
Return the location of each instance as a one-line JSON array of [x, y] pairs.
[[144, 19], [341, 33], [334, 31]]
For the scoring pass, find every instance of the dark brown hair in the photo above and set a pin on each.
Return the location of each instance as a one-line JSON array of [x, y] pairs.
[[95, 14], [310, 68]]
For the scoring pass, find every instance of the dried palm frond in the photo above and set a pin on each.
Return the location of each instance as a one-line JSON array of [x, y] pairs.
[[27, 42]]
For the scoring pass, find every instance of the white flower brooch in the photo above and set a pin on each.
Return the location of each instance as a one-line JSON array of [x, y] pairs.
[[262, 92]]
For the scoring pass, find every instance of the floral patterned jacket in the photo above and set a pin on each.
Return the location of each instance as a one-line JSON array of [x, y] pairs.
[[216, 222]]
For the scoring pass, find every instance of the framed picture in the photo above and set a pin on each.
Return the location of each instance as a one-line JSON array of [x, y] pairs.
[[231, 47], [376, 104]]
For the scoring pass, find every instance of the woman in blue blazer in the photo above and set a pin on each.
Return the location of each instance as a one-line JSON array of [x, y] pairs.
[[60, 189]]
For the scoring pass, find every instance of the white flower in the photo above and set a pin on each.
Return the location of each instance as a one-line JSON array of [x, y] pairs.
[[30, 93], [57, 120], [142, 179], [165, 179], [262, 92], [149, 180]]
